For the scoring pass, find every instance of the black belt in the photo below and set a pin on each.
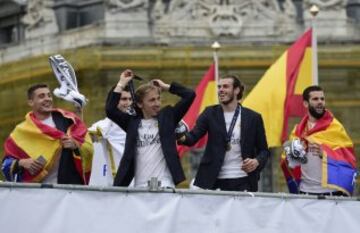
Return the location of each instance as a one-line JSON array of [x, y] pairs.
[[335, 193]]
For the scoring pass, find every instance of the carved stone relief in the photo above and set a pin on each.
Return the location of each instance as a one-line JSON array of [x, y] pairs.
[[222, 17], [40, 19], [125, 5]]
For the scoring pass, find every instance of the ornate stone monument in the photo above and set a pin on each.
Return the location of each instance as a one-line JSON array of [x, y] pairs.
[[248, 19]]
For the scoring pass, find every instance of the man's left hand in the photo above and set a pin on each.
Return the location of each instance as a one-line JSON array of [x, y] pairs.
[[68, 143], [250, 165]]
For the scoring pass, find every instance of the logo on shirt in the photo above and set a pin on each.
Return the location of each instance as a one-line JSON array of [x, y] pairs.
[[148, 139]]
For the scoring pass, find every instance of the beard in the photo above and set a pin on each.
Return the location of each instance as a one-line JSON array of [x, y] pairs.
[[316, 114], [226, 102]]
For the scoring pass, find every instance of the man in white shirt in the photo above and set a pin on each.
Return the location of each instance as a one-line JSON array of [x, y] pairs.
[[236, 150], [150, 148]]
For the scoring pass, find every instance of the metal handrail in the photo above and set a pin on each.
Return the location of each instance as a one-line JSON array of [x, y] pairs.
[[13, 185]]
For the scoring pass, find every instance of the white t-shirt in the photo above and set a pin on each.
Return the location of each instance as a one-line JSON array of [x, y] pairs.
[[108, 151], [311, 175], [231, 167], [51, 178], [150, 160]]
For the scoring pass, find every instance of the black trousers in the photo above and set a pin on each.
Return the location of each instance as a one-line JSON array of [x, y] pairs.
[[236, 184]]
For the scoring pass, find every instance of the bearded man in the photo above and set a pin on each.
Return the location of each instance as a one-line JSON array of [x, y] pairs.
[[329, 167], [237, 149]]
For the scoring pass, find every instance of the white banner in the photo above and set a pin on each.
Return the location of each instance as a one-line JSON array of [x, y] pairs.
[[62, 210]]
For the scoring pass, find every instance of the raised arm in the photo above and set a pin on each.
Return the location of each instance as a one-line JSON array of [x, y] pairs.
[[187, 97], [112, 111]]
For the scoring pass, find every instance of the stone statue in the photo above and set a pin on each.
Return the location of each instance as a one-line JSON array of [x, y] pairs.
[[40, 19]]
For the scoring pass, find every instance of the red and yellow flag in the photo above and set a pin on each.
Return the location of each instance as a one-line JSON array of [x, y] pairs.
[[338, 157], [205, 96], [33, 138], [278, 94]]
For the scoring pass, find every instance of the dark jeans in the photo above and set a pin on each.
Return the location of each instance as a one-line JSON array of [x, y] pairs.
[[236, 184]]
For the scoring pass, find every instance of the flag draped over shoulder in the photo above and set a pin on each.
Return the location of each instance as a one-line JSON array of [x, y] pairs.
[[278, 94], [32, 138], [338, 158], [205, 96]]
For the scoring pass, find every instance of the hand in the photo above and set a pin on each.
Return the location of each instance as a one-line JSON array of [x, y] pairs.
[[31, 165], [249, 165], [68, 143], [315, 149], [180, 139], [125, 78], [163, 86]]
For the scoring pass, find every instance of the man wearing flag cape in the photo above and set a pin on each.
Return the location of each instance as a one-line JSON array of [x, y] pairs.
[[320, 157], [50, 146]]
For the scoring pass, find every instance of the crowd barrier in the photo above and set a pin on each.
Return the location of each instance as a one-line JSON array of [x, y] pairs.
[[69, 208]]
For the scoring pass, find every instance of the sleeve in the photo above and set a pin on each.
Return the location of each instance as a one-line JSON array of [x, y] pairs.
[[112, 112], [11, 169], [262, 149], [187, 97], [200, 129]]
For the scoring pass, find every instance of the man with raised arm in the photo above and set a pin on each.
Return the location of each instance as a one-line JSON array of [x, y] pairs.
[[150, 147]]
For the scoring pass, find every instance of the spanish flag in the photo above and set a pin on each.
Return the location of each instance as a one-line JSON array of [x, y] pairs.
[[32, 138], [278, 94], [205, 96], [338, 157]]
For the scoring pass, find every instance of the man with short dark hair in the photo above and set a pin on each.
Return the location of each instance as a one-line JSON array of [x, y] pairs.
[[328, 166], [50, 146], [237, 149]]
